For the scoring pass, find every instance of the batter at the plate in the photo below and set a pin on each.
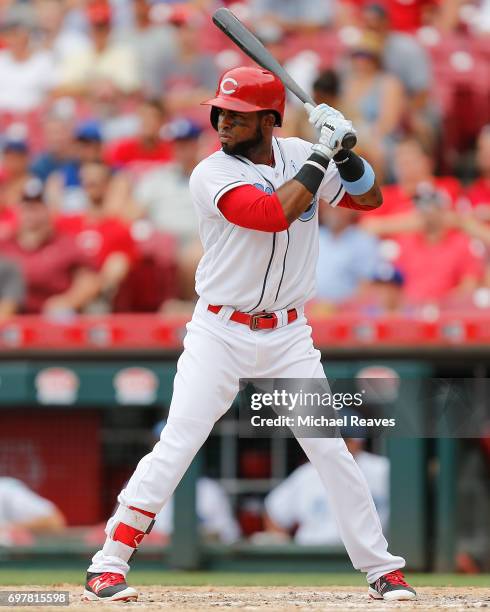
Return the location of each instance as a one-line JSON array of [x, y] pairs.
[[257, 205]]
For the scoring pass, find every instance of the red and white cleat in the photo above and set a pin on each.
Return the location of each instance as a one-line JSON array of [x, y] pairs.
[[108, 587], [392, 587]]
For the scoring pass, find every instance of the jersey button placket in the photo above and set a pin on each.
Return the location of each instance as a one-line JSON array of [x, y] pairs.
[[275, 271]]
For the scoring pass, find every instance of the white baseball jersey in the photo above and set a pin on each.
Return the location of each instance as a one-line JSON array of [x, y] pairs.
[[248, 269]]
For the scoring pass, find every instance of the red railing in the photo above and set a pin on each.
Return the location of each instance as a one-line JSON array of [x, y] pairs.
[[165, 333]]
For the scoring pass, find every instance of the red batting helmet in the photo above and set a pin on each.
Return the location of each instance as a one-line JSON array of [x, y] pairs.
[[246, 90]]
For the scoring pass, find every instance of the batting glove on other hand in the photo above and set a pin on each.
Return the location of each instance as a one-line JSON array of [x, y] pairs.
[[331, 136], [321, 114]]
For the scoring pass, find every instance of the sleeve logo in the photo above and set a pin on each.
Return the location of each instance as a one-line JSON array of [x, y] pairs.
[[310, 211], [266, 190]]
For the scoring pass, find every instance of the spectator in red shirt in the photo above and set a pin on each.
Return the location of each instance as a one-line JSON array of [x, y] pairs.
[[410, 16], [147, 145], [404, 15], [57, 274], [8, 220], [104, 239], [437, 262], [414, 166], [479, 192], [474, 220]]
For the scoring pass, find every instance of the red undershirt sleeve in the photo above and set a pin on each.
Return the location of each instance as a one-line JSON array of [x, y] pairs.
[[251, 208], [348, 202]]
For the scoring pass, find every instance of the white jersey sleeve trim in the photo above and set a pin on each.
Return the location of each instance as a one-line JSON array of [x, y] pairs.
[[225, 189], [212, 179]]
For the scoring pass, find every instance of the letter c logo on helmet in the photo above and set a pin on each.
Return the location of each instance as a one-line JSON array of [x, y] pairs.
[[229, 90]]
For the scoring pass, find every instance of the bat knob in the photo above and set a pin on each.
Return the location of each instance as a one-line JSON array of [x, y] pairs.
[[349, 141]]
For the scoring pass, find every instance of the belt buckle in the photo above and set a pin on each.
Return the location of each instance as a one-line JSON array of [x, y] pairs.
[[255, 318]]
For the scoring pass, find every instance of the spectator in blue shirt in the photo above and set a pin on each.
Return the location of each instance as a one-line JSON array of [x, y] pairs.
[[348, 255], [64, 191]]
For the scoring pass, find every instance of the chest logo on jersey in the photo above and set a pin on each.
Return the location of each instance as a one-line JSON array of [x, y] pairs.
[[225, 85], [267, 190], [310, 211]]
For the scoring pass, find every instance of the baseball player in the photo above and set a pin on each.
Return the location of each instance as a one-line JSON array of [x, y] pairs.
[[257, 205]]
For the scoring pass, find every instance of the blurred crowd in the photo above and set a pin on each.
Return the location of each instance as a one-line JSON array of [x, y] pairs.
[[100, 128]]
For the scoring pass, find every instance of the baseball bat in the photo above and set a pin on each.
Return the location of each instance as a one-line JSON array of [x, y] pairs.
[[226, 21]]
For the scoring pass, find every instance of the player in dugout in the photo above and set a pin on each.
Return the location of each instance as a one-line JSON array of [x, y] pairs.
[[257, 205]]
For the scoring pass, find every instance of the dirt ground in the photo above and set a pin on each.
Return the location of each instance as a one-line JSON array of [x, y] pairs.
[[272, 599]]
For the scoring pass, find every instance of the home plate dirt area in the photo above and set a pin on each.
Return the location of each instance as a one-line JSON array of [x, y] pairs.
[[273, 599]]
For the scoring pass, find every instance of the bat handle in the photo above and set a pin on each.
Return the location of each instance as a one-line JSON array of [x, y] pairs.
[[349, 141]]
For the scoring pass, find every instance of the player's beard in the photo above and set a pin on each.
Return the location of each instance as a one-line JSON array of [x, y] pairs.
[[245, 146]]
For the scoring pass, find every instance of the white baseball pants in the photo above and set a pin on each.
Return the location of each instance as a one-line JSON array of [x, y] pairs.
[[217, 353]]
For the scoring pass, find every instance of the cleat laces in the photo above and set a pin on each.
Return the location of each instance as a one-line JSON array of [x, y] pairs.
[[396, 577]]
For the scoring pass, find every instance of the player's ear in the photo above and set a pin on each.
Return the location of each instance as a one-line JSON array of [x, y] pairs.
[[268, 120]]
